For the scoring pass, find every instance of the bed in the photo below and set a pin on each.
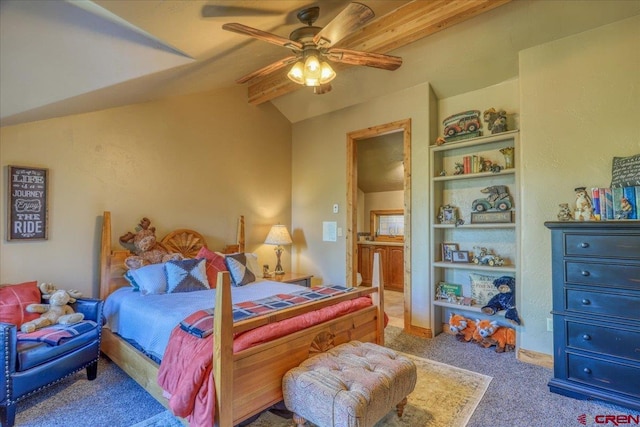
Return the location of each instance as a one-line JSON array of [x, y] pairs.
[[248, 381]]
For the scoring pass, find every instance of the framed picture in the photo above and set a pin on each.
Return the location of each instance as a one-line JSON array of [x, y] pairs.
[[447, 251], [27, 204], [460, 256], [448, 214]]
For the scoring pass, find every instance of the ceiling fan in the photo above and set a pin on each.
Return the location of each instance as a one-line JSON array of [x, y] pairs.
[[313, 46]]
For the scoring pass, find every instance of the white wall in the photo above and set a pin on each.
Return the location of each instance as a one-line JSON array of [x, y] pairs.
[[320, 180], [191, 162], [579, 108]]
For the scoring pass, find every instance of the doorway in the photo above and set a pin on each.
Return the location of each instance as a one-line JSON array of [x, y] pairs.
[[353, 138]]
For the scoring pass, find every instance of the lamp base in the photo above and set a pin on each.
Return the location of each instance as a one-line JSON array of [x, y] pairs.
[[279, 270]]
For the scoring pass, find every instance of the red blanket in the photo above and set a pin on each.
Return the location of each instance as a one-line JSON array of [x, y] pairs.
[[185, 371]]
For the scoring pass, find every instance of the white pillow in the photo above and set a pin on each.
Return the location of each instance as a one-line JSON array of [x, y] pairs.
[[151, 279], [252, 264]]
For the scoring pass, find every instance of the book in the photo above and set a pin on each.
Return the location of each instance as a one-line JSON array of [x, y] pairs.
[[629, 204], [617, 203], [637, 205], [595, 199], [608, 196], [466, 163]]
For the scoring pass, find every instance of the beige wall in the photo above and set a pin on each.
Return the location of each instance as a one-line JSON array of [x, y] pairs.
[[579, 109], [320, 180], [190, 162]]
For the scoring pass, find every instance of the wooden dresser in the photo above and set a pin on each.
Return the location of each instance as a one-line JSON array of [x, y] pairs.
[[596, 310]]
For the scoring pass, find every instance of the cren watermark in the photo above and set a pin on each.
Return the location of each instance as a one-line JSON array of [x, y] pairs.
[[608, 419]]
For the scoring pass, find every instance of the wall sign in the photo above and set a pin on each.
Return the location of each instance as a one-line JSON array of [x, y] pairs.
[[27, 204]]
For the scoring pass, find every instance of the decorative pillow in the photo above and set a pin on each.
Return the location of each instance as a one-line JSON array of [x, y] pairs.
[[150, 279], [482, 288], [238, 269], [252, 264], [625, 171], [214, 264], [187, 275], [14, 300], [132, 281]]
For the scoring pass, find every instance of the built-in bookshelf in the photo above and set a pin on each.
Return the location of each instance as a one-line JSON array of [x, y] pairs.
[[451, 189]]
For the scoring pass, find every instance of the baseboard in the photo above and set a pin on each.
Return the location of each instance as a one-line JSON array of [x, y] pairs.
[[418, 331], [535, 358]]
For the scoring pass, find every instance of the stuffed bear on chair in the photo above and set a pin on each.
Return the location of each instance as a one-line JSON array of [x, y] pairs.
[[57, 311]]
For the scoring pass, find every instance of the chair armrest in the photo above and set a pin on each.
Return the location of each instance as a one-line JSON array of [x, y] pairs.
[[7, 356], [91, 308]]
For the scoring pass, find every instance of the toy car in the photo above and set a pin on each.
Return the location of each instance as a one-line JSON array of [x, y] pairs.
[[488, 259]]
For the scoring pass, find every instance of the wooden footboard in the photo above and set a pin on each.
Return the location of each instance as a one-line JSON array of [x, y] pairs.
[[249, 381]]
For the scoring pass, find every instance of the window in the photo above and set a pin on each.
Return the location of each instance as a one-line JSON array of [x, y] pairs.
[[388, 225]]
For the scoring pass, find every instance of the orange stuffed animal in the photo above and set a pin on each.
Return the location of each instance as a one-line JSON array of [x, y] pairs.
[[462, 327], [502, 337]]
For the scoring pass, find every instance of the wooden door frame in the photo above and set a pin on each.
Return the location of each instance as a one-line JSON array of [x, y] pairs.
[[352, 202]]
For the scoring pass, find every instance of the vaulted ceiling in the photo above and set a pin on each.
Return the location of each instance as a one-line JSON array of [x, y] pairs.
[[65, 57]]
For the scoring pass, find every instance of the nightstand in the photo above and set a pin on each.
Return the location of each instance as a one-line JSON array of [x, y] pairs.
[[295, 278]]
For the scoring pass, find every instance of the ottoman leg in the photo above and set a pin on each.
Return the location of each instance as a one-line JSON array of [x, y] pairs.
[[299, 421], [400, 407]]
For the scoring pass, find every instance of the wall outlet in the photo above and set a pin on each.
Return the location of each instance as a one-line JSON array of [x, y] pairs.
[[549, 324]]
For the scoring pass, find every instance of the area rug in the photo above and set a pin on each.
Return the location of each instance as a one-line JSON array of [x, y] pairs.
[[445, 396]]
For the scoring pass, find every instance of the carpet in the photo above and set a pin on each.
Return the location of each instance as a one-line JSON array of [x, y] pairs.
[[445, 396]]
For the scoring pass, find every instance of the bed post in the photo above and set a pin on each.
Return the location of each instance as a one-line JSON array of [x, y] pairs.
[[223, 352], [105, 252], [377, 281]]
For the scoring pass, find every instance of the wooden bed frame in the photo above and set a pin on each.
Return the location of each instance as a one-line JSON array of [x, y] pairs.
[[250, 381]]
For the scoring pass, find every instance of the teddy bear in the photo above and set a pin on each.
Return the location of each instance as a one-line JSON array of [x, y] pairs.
[[502, 337], [146, 248], [462, 327], [56, 312], [504, 300]]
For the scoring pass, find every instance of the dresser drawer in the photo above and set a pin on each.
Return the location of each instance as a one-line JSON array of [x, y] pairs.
[[593, 273], [605, 374], [602, 303], [616, 342], [606, 245]]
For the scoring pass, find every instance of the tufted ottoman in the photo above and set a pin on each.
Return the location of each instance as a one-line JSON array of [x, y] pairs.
[[352, 385]]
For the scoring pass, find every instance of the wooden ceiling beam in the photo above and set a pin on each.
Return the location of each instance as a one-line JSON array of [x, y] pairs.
[[401, 27]]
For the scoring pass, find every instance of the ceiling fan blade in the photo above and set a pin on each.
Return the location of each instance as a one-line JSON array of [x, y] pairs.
[[368, 59], [216, 11], [352, 17], [262, 35], [268, 69]]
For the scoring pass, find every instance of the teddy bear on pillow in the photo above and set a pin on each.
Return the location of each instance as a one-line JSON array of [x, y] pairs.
[[56, 312], [146, 248]]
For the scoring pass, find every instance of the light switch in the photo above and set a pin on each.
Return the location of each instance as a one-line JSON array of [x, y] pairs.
[[335, 208], [339, 231]]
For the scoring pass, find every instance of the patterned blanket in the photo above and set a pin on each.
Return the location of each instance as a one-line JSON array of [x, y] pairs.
[[200, 323], [55, 334]]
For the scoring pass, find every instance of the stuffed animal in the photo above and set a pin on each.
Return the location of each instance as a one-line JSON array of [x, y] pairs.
[[146, 248], [462, 327], [477, 337], [504, 300], [56, 312], [502, 337]]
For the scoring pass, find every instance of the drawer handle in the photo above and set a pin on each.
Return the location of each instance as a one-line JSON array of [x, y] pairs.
[[586, 370], [586, 337], [584, 245], [585, 273], [586, 302]]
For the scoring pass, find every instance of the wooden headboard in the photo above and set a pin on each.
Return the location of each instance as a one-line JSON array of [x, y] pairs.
[[184, 241]]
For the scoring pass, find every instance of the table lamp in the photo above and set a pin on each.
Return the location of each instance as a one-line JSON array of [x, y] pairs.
[[278, 235]]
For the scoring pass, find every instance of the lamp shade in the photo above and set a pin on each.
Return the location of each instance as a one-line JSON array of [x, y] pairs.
[[278, 235]]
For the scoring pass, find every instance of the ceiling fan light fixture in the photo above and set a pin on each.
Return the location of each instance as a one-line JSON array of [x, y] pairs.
[[296, 73], [312, 72]]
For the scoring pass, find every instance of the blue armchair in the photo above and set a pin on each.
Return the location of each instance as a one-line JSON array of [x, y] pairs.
[[27, 367]]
